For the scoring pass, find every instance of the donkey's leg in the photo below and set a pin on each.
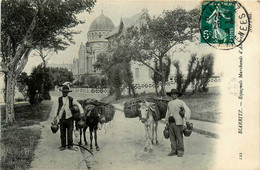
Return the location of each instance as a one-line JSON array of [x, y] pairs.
[[95, 136], [150, 131], [146, 138], [91, 138], [80, 135], [85, 139], [155, 131]]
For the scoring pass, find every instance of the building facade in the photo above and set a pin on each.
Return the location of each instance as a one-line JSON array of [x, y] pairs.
[[96, 44], [100, 37]]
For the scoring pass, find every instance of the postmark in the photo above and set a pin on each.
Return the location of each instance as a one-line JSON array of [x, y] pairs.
[[224, 24]]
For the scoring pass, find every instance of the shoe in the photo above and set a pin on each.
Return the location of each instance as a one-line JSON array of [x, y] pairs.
[[62, 148], [71, 148], [180, 154], [172, 154]]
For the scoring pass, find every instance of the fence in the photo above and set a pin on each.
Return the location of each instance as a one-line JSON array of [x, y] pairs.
[[145, 87]]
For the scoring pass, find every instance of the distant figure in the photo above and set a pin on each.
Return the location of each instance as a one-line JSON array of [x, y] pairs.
[[175, 122], [64, 113]]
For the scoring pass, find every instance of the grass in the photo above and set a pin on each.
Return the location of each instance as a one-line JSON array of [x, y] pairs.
[[18, 147], [27, 115], [204, 106], [17, 144]]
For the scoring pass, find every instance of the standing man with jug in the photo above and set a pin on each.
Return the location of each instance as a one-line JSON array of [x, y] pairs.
[[175, 121], [66, 117]]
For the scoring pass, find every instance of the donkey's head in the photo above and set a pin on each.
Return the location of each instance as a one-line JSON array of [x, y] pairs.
[[144, 113]]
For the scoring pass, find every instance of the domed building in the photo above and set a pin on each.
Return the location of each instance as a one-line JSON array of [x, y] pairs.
[[100, 38], [100, 28], [96, 43]]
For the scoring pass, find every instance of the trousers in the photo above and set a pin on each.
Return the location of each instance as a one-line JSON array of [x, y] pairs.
[[176, 138], [66, 131]]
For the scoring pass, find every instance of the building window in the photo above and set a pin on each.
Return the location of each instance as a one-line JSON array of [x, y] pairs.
[[137, 73]]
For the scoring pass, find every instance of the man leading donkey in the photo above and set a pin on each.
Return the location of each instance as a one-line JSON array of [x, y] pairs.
[[66, 118], [175, 122]]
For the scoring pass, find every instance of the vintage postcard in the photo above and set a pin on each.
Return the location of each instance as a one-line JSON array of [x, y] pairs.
[[130, 84]]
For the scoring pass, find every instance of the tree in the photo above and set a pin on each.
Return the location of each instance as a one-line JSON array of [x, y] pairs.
[[43, 53], [193, 71], [29, 24], [199, 73], [22, 84], [152, 41], [59, 75], [93, 81], [157, 78], [204, 73], [116, 66], [178, 76], [39, 84]]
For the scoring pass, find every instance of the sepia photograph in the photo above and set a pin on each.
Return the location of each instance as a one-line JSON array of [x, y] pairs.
[[130, 84]]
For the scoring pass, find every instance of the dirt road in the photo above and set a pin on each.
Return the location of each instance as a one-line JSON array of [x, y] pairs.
[[122, 143]]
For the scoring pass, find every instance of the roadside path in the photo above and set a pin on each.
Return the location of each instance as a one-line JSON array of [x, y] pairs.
[[122, 143], [47, 154]]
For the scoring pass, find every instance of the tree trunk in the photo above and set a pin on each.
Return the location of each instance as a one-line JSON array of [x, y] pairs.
[[133, 89], [196, 89], [10, 89], [156, 89], [129, 90], [163, 92], [5, 80]]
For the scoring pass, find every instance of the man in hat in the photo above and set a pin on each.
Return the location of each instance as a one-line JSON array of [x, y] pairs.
[[175, 122], [65, 115]]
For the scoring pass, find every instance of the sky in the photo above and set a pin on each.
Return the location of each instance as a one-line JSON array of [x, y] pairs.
[[114, 9]]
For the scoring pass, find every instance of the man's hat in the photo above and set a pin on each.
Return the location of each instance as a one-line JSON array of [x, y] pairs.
[[174, 91], [65, 89]]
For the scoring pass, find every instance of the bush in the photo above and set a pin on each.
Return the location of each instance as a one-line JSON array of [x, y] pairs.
[[39, 85]]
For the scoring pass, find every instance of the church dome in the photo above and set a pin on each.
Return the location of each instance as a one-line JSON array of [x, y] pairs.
[[102, 23]]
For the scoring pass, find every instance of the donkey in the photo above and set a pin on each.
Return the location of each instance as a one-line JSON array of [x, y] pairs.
[[92, 118], [149, 116]]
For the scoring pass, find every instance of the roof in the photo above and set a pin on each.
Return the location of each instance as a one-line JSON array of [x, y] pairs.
[[102, 23], [128, 22]]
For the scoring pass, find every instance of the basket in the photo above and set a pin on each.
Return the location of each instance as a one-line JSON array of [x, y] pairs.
[[162, 106], [106, 110], [131, 108]]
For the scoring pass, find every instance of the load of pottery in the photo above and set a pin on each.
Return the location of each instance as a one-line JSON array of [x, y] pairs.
[[106, 110], [131, 108]]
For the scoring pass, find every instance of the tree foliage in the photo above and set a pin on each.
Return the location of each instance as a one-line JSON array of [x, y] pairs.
[[153, 40], [93, 81], [199, 70], [22, 84], [59, 75], [29, 24], [156, 77], [37, 85], [116, 66]]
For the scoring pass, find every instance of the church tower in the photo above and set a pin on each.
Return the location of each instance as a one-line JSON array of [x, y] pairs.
[[96, 44]]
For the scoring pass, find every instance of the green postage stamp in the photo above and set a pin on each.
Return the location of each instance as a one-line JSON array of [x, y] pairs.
[[223, 24]]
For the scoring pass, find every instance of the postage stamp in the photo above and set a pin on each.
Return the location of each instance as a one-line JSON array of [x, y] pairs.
[[223, 24]]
